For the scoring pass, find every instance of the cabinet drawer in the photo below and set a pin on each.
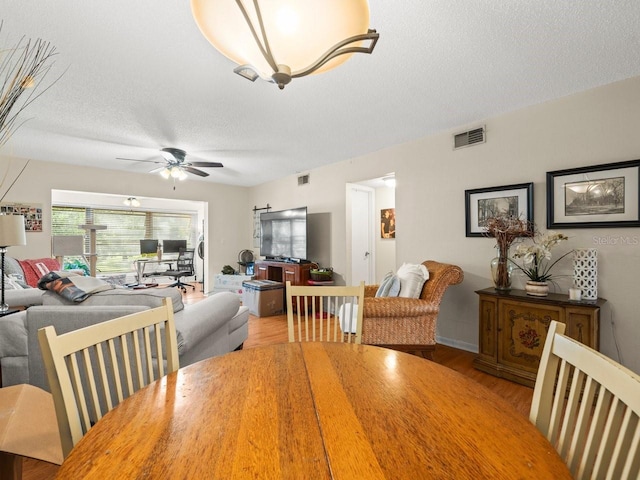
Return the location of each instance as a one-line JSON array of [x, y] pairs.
[[261, 273]]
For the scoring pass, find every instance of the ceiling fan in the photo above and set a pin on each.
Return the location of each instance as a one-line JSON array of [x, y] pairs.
[[175, 166]]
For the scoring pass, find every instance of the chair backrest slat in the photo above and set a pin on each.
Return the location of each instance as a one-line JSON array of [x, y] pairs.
[[78, 389], [124, 343], [117, 379], [103, 377], [588, 406], [84, 366], [137, 361], [325, 313]]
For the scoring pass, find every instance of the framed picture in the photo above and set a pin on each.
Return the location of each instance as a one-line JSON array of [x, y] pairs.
[[596, 196], [388, 223], [484, 203], [32, 214]]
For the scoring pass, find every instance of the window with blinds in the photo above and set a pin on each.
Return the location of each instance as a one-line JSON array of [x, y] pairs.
[[119, 245]]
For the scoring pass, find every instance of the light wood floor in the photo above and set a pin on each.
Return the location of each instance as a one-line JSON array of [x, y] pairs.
[[270, 330]]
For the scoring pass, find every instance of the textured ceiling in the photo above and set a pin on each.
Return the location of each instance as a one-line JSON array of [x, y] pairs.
[[139, 76]]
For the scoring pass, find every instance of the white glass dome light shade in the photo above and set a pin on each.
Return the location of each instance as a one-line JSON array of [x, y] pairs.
[[299, 32]]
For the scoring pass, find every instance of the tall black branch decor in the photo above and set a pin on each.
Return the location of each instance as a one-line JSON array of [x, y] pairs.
[[22, 69]]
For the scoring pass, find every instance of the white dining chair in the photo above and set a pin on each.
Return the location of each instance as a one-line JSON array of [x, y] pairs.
[[587, 406], [325, 313], [92, 369]]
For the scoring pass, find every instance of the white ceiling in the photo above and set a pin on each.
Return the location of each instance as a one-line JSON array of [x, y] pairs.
[[139, 76]]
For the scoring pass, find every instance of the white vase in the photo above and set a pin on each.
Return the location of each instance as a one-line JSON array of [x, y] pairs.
[[536, 289], [585, 272]]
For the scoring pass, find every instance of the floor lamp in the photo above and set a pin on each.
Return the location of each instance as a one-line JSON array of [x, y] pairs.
[[11, 234]]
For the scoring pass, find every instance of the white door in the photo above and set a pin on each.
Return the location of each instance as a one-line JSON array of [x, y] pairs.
[[360, 229]]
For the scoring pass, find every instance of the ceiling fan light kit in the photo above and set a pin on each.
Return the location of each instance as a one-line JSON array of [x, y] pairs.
[[285, 39]]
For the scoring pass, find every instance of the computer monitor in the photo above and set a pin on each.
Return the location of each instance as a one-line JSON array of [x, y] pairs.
[[173, 246], [148, 246]]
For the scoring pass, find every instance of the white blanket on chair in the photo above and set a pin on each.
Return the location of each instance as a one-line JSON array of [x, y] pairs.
[[348, 317]]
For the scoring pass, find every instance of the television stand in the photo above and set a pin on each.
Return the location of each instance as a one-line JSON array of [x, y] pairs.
[[296, 273]]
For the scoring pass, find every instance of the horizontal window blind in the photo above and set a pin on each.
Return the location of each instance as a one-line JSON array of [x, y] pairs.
[[119, 245]]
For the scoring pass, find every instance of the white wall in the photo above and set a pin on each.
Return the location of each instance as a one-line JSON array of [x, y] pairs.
[[594, 127], [226, 235]]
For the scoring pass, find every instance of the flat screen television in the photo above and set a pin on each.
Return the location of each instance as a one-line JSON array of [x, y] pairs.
[[148, 246], [173, 246], [283, 234]]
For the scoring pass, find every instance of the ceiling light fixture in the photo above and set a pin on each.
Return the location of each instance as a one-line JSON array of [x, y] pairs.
[[285, 39], [389, 182], [131, 202]]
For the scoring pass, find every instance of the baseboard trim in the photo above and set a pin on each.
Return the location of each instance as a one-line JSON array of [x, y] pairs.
[[450, 342]]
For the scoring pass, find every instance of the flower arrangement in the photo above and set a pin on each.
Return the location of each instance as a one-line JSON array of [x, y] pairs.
[[536, 257], [505, 229]]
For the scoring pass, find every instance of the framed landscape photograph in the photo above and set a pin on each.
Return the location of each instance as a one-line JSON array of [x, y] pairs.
[[484, 203], [596, 196]]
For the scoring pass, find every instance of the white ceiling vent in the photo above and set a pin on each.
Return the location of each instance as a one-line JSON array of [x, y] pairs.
[[303, 179], [471, 137]]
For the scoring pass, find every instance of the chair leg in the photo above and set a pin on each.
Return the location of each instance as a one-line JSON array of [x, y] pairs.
[[10, 466]]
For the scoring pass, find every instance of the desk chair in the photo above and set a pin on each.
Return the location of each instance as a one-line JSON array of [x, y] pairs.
[[184, 268], [92, 369], [587, 406], [325, 313]]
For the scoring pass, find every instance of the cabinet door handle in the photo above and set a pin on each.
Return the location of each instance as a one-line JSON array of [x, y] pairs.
[[289, 272]]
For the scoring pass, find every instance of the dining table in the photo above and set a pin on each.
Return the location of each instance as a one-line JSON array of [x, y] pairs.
[[314, 410]]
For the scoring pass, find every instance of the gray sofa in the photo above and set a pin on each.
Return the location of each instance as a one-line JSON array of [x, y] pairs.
[[213, 326]]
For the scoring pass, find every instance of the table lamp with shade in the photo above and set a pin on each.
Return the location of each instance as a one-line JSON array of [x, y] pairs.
[[12, 234]]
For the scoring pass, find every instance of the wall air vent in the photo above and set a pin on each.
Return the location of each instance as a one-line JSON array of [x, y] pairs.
[[303, 179], [471, 137]]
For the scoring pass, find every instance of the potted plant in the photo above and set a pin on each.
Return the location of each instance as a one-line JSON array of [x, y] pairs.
[[536, 261]]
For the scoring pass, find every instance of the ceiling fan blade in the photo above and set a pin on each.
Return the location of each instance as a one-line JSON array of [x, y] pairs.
[[140, 160], [195, 171], [157, 169], [206, 164]]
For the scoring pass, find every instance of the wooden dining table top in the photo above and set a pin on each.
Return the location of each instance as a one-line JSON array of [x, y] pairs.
[[314, 411]]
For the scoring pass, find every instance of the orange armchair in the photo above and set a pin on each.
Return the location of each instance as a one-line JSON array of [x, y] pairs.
[[408, 324]]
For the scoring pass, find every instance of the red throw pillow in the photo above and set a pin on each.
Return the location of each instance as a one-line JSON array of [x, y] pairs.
[[34, 269]]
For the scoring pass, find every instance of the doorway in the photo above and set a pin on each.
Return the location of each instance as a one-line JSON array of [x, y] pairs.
[[370, 255]]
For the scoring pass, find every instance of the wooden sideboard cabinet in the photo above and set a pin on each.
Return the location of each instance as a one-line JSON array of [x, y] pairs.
[[296, 273], [513, 328]]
